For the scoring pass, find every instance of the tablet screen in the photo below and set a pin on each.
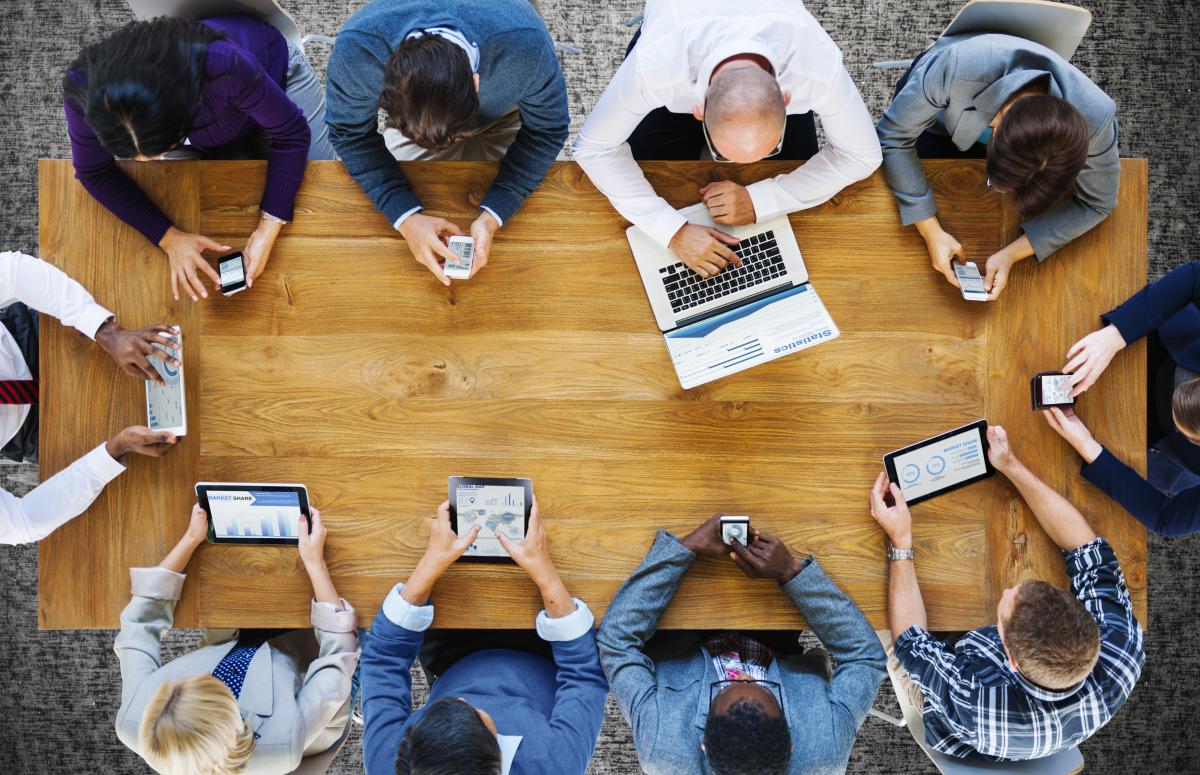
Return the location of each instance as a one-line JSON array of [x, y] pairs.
[[164, 403], [941, 464], [255, 513], [496, 509]]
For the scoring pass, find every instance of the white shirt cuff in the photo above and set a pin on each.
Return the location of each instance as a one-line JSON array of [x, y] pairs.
[[156, 583], [102, 466], [568, 627], [404, 614], [492, 213], [400, 221], [91, 320], [664, 226], [762, 196]]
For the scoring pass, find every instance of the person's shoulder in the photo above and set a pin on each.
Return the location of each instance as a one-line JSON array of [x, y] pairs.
[[226, 58]]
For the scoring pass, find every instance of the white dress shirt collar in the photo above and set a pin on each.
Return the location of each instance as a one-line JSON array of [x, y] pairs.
[[508, 751]]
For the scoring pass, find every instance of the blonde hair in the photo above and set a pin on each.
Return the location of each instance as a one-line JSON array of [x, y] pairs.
[[194, 727]]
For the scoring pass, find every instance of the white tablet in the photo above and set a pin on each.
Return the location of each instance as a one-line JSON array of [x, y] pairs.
[[166, 409]]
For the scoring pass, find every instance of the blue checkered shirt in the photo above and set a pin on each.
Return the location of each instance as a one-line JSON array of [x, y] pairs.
[[975, 704]]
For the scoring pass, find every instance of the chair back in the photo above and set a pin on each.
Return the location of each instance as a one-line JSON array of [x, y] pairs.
[[1057, 26], [267, 10]]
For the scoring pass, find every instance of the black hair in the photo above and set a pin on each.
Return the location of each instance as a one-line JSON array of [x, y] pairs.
[[744, 740], [140, 88], [429, 93], [450, 739]]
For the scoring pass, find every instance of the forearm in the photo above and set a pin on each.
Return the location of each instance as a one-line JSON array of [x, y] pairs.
[[906, 607], [419, 587], [179, 557], [1061, 521], [555, 597], [322, 584]]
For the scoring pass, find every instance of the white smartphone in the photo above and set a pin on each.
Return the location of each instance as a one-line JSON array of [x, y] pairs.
[[464, 250], [166, 409], [970, 281]]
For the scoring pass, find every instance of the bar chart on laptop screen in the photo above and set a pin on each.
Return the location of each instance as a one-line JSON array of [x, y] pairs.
[[255, 514]]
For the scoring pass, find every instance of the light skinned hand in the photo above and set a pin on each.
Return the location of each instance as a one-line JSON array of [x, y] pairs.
[[996, 277], [483, 230], [427, 237], [1069, 425], [1089, 357], [186, 253], [532, 553], [943, 249], [999, 450], [895, 519], [258, 249], [445, 546], [197, 529], [312, 539], [706, 251], [728, 203], [132, 349]]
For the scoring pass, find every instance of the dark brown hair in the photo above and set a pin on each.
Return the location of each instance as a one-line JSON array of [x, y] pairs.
[[1037, 152], [429, 93], [1185, 405], [1052, 637]]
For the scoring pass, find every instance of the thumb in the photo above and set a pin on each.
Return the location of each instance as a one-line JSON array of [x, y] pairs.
[[505, 541], [721, 236], [469, 539]]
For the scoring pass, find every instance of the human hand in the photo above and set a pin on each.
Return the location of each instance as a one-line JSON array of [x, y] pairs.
[[1000, 451], [1090, 356], [1068, 425], [445, 546], [186, 253], [706, 541], [996, 277], [706, 251], [426, 236], [142, 440], [942, 247], [728, 203], [258, 248], [767, 557], [312, 540], [132, 349], [533, 552], [483, 230], [895, 519], [197, 529]]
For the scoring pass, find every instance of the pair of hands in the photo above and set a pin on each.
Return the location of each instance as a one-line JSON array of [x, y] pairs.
[[706, 251], [312, 550], [1087, 360], [532, 554], [766, 557], [890, 510], [428, 238], [944, 249], [189, 268]]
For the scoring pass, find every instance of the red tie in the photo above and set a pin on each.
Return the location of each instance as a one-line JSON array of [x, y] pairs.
[[18, 391]]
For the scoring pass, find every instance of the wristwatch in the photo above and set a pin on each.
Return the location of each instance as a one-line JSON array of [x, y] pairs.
[[899, 554]]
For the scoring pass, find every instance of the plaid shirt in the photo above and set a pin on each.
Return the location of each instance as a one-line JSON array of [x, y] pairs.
[[975, 704], [734, 655]]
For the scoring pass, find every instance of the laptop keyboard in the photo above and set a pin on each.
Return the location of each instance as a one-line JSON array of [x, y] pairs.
[[761, 263]]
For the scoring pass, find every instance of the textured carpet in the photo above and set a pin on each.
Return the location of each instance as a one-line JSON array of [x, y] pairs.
[[62, 687]]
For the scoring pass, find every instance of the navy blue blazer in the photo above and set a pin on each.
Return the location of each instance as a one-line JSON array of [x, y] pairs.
[[1168, 306]]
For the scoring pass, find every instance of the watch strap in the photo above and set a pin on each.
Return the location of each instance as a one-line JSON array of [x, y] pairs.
[[899, 554]]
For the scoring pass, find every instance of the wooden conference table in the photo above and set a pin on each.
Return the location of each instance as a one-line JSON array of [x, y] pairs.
[[349, 368]]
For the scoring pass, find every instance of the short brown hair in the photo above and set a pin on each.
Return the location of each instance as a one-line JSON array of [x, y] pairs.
[[429, 93], [1037, 152], [1052, 637], [1185, 405]]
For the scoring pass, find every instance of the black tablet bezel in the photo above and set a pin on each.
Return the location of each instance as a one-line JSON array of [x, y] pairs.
[[203, 488], [454, 482], [889, 460]]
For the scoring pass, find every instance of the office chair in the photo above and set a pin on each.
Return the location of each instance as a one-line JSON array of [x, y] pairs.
[[1057, 26]]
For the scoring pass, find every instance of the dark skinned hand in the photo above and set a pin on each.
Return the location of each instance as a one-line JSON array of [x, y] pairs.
[[766, 557], [705, 541]]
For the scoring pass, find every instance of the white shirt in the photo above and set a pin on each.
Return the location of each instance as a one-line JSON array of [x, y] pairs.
[[682, 42], [69, 492]]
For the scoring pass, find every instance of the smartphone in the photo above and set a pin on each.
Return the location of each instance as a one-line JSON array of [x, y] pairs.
[[464, 251], [1050, 388], [735, 528], [970, 281], [232, 269]]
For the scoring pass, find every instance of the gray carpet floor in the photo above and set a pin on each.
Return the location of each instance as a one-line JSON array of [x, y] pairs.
[[57, 711]]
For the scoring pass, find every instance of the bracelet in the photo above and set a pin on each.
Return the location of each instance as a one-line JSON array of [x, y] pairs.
[[899, 554], [272, 218]]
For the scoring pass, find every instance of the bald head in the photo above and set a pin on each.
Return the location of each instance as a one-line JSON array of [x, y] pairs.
[[745, 112]]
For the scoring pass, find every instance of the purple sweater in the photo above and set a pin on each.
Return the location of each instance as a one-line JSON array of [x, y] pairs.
[[246, 74]]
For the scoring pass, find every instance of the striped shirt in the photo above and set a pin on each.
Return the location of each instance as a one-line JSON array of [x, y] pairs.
[[977, 705]]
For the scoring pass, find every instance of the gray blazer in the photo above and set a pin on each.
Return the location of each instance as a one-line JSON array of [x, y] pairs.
[[665, 695], [960, 83], [297, 689]]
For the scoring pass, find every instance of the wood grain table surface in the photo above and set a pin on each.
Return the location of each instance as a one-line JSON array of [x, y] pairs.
[[349, 368]]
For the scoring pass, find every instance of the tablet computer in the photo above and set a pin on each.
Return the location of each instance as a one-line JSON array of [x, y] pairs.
[[943, 463], [241, 513], [166, 409], [496, 506]]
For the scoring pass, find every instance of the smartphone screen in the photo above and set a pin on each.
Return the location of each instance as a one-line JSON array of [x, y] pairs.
[[233, 273], [970, 281], [1055, 391]]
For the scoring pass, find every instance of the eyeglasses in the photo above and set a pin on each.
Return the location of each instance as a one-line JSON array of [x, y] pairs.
[[716, 155], [775, 688]]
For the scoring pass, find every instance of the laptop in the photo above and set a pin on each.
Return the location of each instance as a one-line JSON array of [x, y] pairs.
[[743, 316]]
